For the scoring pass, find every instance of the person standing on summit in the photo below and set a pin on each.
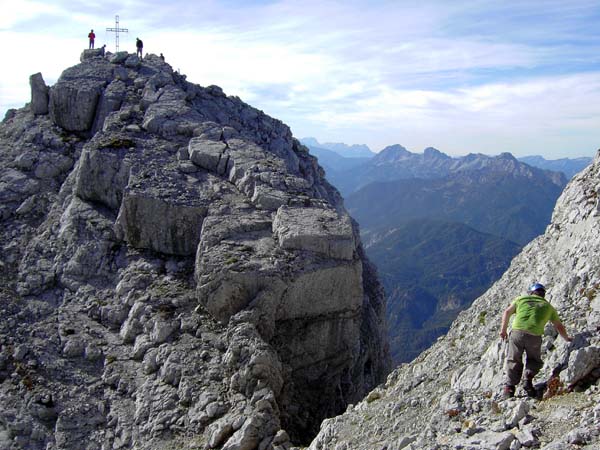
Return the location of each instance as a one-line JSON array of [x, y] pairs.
[[533, 311], [91, 37], [139, 45]]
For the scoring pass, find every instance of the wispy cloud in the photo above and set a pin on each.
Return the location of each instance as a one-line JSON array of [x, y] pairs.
[[464, 75]]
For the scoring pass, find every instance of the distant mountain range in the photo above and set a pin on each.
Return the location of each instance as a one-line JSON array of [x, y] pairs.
[[396, 162], [334, 163], [349, 172], [568, 166], [497, 195], [345, 150]]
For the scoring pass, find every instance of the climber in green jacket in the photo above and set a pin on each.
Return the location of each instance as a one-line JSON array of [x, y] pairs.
[[533, 311]]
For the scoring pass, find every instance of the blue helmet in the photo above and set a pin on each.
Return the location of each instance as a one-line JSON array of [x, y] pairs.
[[536, 287]]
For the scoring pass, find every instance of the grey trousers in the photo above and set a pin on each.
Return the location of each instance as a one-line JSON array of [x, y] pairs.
[[520, 342]]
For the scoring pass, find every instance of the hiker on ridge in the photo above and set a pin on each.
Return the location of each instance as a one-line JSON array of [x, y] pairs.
[[533, 311], [139, 45], [91, 36]]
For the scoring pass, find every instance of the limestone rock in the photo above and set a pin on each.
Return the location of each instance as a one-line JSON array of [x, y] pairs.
[[519, 412], [132, 61], [91, 53], [581, 363], [247, 437], [119, 57], [103, 174], [314, 229], [73, 107], [167, 221], [209, 155], [39, 94], [109, 101], [74, 98]]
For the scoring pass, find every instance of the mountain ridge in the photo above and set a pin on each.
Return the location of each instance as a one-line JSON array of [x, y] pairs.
[[396, 162], [404, 199], [345, 150], [176, 272], [569, 166]]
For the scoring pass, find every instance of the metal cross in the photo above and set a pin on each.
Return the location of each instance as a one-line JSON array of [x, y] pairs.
[[117, 30]]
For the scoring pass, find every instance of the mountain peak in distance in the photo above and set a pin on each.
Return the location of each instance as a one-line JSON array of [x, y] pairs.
[[345, 150]]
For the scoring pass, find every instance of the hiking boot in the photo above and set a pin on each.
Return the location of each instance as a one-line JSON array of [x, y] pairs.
[[508, 392], [530, 389]]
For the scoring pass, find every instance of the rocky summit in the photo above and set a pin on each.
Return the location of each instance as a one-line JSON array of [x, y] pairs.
[[175, 271], [449, 397]]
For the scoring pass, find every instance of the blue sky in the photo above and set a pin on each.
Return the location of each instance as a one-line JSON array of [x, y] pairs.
[[462, 76]]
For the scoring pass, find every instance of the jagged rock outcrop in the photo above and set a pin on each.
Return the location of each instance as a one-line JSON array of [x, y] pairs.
[[175, 271], [448, 398], [39, 94]]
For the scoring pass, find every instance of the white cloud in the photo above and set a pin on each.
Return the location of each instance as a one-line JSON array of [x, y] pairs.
[[33, 56], [14, 12], [498, 116]]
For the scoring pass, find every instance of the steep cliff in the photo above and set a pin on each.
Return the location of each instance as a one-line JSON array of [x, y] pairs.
[[449, 396], [175, 272]]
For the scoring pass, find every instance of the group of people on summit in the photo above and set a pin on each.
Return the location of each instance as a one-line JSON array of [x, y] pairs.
[[139, 44]]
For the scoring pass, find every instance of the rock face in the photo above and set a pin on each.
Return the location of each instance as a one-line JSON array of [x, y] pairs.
[[175, 272], [448, 398]]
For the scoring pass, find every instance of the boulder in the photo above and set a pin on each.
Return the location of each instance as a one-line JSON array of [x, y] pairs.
[[132, 61], [581, 363], [119, 57], [163, 211], [103, 174], [39, 94], [110, 101], [209, 155], [92, 53], [324, 231], [265, 197], [73, 105], [73, 99], [160, 225], [246, 438]]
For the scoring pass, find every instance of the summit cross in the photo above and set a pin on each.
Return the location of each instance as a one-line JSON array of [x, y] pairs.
[[117, 30]]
